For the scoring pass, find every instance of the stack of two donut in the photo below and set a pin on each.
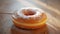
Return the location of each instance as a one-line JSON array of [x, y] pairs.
[[30, 18]]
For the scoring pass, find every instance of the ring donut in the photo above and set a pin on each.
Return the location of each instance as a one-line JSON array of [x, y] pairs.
[[30, 18]]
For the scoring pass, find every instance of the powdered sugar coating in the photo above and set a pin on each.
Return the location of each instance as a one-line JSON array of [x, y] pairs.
[[37, 10]]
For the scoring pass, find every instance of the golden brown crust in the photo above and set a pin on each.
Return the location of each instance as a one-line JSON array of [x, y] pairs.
[[29, 22]]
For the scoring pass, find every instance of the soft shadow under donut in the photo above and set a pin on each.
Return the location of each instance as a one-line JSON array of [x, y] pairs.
[[16, 30]]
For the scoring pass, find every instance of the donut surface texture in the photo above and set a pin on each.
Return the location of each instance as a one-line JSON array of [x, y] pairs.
[[30, 18]]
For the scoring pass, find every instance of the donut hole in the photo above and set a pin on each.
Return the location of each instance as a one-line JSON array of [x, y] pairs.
[[29, 12]]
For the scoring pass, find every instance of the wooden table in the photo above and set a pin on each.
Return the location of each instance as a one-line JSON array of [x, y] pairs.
[[7, 7]]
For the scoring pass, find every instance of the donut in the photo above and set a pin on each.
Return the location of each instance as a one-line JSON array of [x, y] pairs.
[[30, 18]]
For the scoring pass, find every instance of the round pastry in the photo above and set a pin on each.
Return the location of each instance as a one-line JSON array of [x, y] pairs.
[[29, 18]]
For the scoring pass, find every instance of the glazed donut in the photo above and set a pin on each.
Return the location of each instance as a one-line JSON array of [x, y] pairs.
[[35, 13], [30, 18]]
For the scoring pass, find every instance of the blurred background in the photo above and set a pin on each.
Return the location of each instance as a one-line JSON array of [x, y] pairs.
[[51, 7], [10, 5]]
